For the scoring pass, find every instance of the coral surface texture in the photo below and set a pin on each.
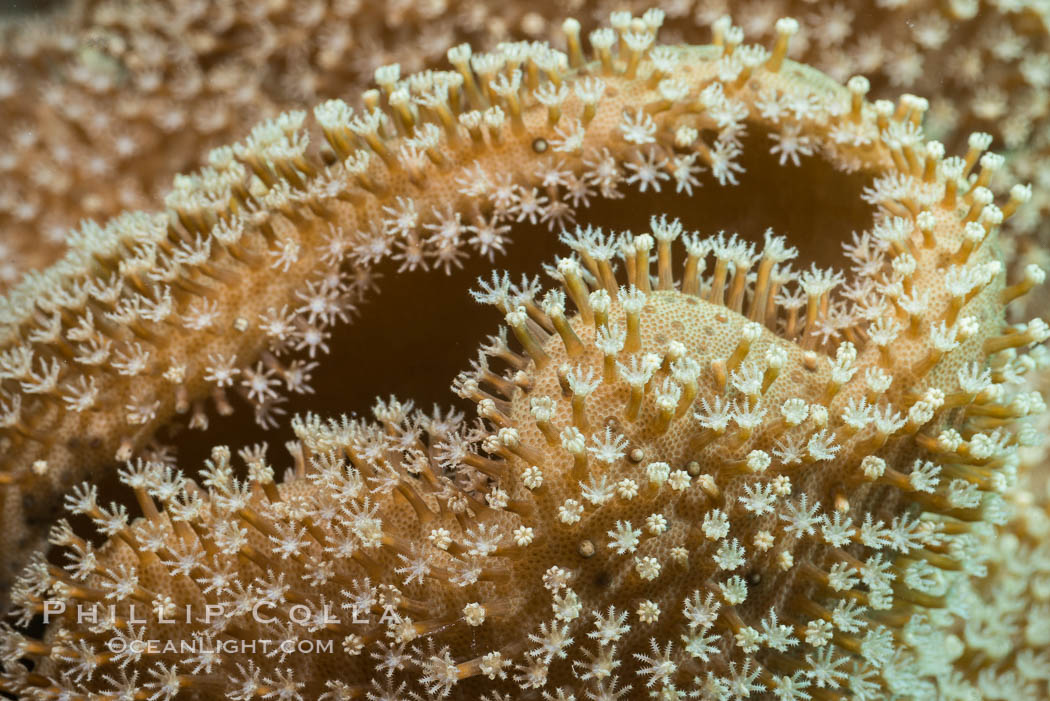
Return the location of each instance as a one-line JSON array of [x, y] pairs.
[[729, 316]]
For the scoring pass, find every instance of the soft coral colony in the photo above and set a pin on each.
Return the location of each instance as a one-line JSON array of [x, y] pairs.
[[698, 472]]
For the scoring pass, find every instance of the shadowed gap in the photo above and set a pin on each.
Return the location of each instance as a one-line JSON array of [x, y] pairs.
[[422, 328]]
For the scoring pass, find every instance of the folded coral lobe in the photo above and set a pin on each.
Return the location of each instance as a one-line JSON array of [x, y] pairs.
[[701, 468]]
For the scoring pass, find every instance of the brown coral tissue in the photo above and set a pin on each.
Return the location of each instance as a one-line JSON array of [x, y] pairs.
[[749, 394]]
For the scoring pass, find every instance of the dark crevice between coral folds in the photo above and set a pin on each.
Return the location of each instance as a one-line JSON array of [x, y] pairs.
[[422, 328]]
